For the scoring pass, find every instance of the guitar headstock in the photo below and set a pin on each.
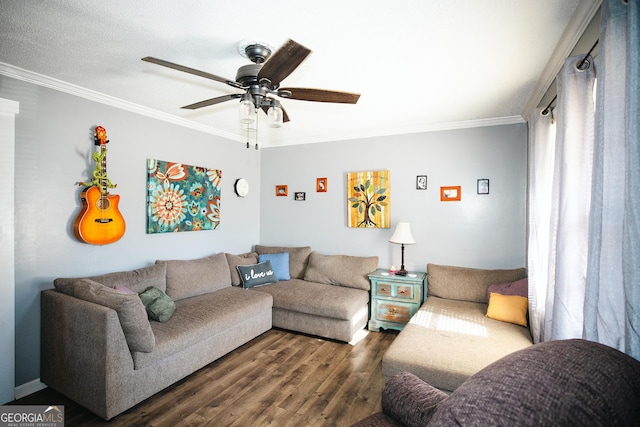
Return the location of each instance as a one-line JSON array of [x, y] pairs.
[[100, 136]]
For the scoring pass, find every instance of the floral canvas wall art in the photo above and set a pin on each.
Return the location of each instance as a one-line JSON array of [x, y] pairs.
[[368, 199], [182, 197]]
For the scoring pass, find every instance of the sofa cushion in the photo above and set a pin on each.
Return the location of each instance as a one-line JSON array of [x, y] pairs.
[[341, 270], [236, 260], [199, 318], [280, 264], [298, 257], [457, 341], [257, 274], [467, 284], [137, 280], [317, 299], [189, 278], [508, 308], [131, 311], [158, 304]]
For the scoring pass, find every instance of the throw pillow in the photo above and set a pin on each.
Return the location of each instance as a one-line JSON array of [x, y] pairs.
[[298, 257], [257, 274], [236, 260], [280, 264], [519, 287], [131, 312], [123, 289], [158, 304], [508, 308]]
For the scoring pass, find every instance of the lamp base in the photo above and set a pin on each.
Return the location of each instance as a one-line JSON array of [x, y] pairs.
[[401, 272]]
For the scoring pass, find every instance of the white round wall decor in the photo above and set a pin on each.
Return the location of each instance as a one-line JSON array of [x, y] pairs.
[[241, 187]]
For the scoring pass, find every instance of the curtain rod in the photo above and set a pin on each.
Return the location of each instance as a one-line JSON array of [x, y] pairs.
[[579, 66]]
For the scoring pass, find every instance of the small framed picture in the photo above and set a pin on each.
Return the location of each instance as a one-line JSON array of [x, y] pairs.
[[300, 196], [282, 190], [483, 186], [321, 185], [421, 182], [451, 194]]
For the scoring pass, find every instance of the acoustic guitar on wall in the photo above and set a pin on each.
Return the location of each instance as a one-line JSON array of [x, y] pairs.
[[99, 222]]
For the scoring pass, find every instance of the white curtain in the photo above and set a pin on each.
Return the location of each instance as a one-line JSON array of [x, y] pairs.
[[584, 196], [542, 134], [612, 307], [560, 189]]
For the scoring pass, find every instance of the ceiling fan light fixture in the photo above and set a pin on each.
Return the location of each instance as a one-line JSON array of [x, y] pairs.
[[274, 113], [247, 112]]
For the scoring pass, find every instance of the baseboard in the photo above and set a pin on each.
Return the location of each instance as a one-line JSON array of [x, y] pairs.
[[29, 388]]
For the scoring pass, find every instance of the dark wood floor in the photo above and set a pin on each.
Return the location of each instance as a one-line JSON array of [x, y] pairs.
[[278, 379]]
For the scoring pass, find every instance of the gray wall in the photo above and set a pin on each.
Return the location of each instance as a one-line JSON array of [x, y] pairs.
[[8, 109], [53, 146], [483, 231]]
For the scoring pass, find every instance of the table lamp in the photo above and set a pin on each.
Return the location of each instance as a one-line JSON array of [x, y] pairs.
[[402, 236]]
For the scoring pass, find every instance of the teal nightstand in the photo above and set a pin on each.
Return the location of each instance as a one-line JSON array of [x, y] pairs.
[[394, 299]]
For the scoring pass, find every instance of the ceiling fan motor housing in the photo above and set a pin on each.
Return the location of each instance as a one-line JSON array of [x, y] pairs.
[[257, 53], [247, 75]]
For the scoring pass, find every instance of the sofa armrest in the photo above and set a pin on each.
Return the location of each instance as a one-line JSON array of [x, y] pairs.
[[410, 400], [83, 348]]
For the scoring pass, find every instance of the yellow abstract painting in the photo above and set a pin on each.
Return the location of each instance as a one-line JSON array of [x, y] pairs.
[[368, 199]]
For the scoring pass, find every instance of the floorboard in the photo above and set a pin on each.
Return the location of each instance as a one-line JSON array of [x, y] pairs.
[[279, 379]]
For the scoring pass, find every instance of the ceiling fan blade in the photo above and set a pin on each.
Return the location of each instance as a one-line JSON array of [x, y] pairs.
[[283, 62], [285, 116], [212, 101], [191, 71], [320, 95]]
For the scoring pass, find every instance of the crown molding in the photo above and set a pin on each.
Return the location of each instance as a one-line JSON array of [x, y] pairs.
[[433, 127], [59, 85], [581, 18]]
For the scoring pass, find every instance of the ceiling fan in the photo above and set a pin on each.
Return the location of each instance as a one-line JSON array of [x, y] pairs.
[[260, 82]]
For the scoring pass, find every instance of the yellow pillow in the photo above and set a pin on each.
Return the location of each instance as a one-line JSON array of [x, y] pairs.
[[508, 308]]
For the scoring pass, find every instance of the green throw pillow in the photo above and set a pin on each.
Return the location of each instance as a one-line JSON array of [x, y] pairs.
[[158, 304]]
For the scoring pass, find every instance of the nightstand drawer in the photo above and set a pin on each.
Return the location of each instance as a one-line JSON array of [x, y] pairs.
[[390, 311], [395, 290], [394, 299]]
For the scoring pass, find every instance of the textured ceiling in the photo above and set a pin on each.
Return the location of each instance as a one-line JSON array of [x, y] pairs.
[[419, 65]]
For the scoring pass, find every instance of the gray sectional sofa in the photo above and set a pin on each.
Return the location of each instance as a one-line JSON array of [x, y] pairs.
[[451, 338], [99, 348]]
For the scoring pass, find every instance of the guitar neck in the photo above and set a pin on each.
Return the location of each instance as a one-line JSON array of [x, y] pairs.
[[103, 170]]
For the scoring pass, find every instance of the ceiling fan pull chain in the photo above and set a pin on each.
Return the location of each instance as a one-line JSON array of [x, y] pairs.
[[256, 147]]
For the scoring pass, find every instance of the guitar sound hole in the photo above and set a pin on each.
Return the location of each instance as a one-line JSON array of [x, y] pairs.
[[103, 204]]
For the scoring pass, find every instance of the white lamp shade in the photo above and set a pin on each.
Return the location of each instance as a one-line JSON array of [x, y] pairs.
[[402, 234]]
